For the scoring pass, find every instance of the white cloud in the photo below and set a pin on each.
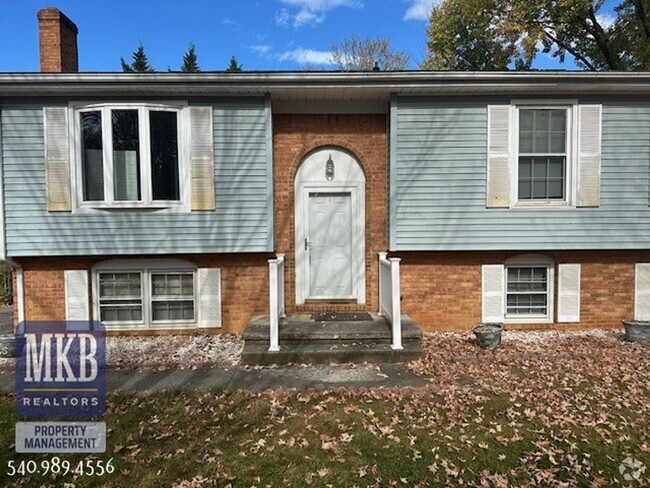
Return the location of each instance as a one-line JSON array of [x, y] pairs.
[[260, 49], [283, 18], [605, 20], [310, 12], [306, 56], [232, 23], [419, 9], [307, 17]]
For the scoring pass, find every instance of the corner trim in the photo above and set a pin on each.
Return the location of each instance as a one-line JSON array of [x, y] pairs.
[[20, 294], [270, 175], [392, 178]]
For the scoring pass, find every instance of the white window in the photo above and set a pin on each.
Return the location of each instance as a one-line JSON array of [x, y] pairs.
[[522, 291], [529, 289], [149, 296], [130, 155], [543, 154], [543, 165]]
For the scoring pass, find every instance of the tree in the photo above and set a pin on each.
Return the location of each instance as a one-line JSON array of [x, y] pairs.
[[234, 66], [140, 62], [190, 60], [469, 42], [357, 54], [498, 34]]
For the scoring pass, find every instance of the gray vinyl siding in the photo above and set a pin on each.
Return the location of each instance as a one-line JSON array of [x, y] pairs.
[[438, 183], [242, 221]]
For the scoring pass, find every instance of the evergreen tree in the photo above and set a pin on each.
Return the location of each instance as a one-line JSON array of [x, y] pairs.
[[234, 66], [190, 61], [140, 62]]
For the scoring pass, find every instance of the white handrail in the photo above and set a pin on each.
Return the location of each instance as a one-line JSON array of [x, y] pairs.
[[389, 296], [276, 300]]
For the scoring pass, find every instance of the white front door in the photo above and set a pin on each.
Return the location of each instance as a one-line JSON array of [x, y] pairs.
[[328, 245]]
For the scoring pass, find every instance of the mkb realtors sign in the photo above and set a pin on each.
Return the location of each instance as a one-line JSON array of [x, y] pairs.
[[60, 374]]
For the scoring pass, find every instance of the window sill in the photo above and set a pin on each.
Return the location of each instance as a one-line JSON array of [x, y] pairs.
[[113, 208], [527, 320], [543, 204], [114, 326]]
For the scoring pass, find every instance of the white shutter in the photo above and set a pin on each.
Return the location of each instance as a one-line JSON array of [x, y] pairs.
[[77, 304], [498, 163], [209, 297], [493, 290], [589, 154], [57, 159], [642, 291], [568, 301], [202, 158]]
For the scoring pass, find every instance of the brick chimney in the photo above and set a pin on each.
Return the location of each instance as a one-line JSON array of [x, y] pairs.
[[57, 42]]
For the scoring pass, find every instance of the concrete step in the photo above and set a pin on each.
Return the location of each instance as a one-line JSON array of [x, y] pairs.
[[304, 340], [309, 352], [300, 327]]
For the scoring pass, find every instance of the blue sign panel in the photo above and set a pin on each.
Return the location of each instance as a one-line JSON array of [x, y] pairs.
[[60, 370]]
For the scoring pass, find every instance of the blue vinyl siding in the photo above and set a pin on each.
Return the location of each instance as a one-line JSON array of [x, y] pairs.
[[438, 183], [242, 221]]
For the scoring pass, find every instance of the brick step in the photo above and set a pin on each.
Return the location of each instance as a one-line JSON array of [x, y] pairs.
[[309, 352]]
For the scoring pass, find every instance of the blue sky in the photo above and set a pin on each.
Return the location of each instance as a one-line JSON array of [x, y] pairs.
[[262, 34]]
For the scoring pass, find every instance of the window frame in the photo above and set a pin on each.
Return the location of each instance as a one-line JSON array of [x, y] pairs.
[[531, 261], [152, 299], [146, 184], [570, 185], [146, 268], [129, 323]]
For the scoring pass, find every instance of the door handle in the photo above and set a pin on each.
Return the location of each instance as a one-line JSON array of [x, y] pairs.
[[306, 244]]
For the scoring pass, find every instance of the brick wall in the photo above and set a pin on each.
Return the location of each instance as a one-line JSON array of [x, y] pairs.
[[294, 137], [57, 42], [244, 285], [442, 290]]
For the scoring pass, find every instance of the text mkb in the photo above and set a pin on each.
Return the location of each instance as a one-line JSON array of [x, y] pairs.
[[60, 370]]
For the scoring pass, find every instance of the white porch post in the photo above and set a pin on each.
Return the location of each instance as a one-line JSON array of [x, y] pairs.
[[382, 258], [396, 310], [276, 300]]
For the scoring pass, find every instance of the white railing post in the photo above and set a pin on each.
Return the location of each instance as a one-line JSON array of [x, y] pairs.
[[389, 296], [396, 311], [281, 311], [382, 259], [276, 300]]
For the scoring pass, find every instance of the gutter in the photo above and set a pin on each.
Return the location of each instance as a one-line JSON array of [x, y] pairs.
[[261, 82]]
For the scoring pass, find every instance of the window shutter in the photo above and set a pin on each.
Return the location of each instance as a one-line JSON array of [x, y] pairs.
[[209, 297], [568, 308], [498, 163], [202, 158], [493, 284], [57, 159], [642, 292], [589, 138], [77, 304]]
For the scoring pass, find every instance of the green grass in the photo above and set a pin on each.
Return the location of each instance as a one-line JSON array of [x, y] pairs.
[[346, 439]]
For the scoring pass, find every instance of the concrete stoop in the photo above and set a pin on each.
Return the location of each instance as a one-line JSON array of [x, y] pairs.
[[305, 341]]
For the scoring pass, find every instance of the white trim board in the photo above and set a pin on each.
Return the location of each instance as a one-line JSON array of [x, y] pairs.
[[348, 178]]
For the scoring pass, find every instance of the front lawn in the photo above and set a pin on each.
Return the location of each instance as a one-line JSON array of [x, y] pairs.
[[569, 411]]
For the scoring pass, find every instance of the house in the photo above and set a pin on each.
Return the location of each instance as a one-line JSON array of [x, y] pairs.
[[176, 202]]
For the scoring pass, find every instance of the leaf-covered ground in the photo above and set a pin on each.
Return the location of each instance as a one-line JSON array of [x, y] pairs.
[[564, 410]]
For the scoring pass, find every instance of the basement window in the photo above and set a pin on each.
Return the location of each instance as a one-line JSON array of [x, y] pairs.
[[146, 297]]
